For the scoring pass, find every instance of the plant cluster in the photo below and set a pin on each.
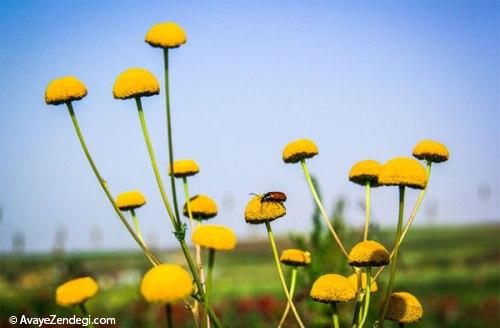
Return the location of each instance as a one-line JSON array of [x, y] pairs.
[[169, 283]]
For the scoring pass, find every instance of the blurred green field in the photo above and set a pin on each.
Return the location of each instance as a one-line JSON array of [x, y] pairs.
[[455, 272]]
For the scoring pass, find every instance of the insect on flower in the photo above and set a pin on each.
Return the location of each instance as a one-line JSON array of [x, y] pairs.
[[272, 196]]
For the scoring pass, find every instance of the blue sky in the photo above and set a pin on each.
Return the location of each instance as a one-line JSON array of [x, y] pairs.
[[364, 80]]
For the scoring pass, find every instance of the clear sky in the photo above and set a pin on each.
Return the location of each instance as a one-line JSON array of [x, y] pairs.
[[363, 80]]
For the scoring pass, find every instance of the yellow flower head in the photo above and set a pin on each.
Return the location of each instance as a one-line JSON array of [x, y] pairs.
[[64, 89], [300, 149], [166, 35], [368, 253], [353, 279], [404, 308], [166, 283], [258, 211], [130, 200], [184, 168], [76, 291], [403, 171], [202, 207], [214, 237], [431, 151], [330, 288], [295, 257], [365, 171], [135, 82]]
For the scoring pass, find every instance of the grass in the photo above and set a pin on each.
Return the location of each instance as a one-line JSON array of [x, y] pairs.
[[454, 271]]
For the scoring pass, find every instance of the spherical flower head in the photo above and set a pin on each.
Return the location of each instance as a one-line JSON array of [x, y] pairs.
[[184, 168], [330, 288], [295, 257], [353, 279], [365, 171], [368, 253], [166, 283], [431, 151], [166, 35], [298, 150], [130, 200], [403, 171], [64, 89], [404, 308], [202, 207], [214, 237], [76, 291], [135, 82], [258, 211]]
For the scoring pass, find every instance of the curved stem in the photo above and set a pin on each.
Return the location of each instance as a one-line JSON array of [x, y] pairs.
[[367, 296], [321, 208], [335, 316], [292, 291], [169, 133], [367, 210], [280, 273], [138, 229], [154, 164], [411, 218], [168, 315], [104, 186], [86, 314], [394, 261], [188, 202]]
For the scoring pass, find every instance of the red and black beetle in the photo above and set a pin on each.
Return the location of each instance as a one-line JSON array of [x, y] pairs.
[[272, 196]]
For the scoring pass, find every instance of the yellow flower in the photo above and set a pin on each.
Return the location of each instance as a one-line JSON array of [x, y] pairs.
[[135, 82], [404, 308], [295, 257], [432, 151], [403, 171], [166, 35], [330, 288], [64, 89], [298, 150], [368, 253], [166, 283], [130, 200], [76, 291], [260, 212], [365, 171], [202, 207], [184, 168], [214, 237], [353, 279]]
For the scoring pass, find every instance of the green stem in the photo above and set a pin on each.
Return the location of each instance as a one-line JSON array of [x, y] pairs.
[[412, 216], [168, 315], [86, 314], [178, 228], [188, 202], [367, 296], [394, 261], [292, 291], [208, 289], [138, 229], [321, 208], [104, 185], [196, 247], [335, 316], [169, 133], [154, 164], [280, 273], [359, 296], [199, 285], [367, 211]]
